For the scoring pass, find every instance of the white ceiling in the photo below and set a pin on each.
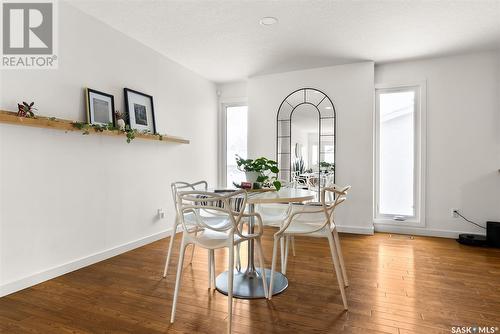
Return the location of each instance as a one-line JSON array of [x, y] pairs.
[[223, 40]]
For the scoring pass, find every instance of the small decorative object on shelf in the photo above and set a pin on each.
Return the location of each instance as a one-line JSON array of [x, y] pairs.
[[261, 171], [120, 120], [26, 110]]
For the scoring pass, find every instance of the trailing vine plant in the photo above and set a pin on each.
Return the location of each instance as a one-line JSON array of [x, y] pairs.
[[129, 133]]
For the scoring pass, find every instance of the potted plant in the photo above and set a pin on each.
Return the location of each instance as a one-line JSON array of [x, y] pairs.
[[262, 171], [298, 165], [26, 110], [326, 166]]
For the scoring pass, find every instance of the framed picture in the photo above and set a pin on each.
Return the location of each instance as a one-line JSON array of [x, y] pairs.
[[100, 107], [140, 110]]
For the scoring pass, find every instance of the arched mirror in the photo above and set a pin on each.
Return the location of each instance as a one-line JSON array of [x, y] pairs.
[[306, 139]]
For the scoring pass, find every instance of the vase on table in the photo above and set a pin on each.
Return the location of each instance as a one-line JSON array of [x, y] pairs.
[[252, 176]]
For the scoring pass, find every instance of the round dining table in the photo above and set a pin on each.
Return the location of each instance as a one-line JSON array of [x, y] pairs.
[[247, 283]]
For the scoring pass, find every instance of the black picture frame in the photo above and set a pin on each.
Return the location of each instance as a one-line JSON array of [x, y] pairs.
[[90, 114], [127, 92]]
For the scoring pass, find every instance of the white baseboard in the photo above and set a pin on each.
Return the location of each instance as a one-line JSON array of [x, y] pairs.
[[355, 229], [417, 231], [26, 282]]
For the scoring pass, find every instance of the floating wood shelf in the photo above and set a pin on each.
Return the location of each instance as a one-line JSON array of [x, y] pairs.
[[9, 117]]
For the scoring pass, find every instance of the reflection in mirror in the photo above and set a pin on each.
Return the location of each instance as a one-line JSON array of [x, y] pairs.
[[305, 138]]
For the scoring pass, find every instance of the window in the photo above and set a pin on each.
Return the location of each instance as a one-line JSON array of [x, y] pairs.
[[398, 155], [236, 119]]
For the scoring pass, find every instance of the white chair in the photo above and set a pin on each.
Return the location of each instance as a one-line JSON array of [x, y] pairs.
[[222, 230], [274, 215], [329, 182], [298, 181], [329, 196], [316, 220], [176, 187], [185, 186]]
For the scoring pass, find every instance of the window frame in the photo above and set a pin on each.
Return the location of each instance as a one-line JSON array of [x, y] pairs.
[[229, 103], [418, 219]]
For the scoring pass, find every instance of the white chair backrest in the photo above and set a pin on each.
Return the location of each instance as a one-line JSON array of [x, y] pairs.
[[329, 179], [298, 181], [229, 207], [287, 184], [318, 214], [185, 186], [329, 183]]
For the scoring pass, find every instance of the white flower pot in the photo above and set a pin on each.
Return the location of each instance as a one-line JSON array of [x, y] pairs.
[[252, 176], [120, 124]]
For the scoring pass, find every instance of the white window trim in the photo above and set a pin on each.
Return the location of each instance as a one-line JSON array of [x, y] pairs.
[[421, 153], [223, 105]]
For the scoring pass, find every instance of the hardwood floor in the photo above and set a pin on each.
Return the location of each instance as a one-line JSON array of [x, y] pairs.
[[397, 285]]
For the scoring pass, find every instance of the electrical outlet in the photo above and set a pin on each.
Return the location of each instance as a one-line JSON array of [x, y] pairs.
[[454, 212], [161, 214]]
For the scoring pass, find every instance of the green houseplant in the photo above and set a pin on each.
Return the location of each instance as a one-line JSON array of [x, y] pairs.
[[327, 166], [261, 170], [298, 165]]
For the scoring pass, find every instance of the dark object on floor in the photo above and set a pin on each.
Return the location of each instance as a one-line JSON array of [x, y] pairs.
[[493, 234], [472, 239]]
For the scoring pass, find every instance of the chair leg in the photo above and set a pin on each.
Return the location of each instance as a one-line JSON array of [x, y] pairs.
[[178, 278], [287, 245], [273, 267], [263, 266], [170, 246], [238, 260], [192, 249], [210, 269], [282, 252], [293, 245], [213, 269], [230, 287], [336, 265], [341, 256]]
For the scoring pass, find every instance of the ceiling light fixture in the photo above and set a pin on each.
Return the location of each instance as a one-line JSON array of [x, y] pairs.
[[328, 107], [268, 21]]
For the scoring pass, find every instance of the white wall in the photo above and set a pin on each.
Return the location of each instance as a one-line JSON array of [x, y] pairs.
[[232, 92], [64, 196], [463, 137], [351, 89]]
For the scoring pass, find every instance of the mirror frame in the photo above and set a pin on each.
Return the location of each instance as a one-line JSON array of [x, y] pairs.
[[286, 157]]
